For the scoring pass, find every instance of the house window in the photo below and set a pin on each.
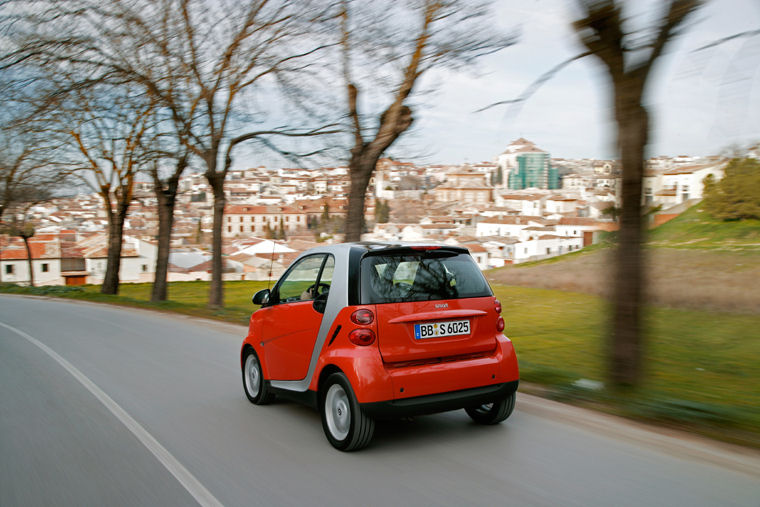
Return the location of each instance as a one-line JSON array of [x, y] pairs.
[[144, 268], [548, 251], [229, 219], [253, 228], [229, 229], [240, 219], [45, 267], [241, 228], [10, 269]]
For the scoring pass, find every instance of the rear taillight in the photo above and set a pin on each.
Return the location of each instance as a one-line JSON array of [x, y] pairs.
[[497, 305], [500, 324], [362, 337], [362, 317]]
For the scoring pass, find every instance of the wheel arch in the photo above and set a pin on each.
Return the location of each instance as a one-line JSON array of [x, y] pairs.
[[244, 352], [328, 370]]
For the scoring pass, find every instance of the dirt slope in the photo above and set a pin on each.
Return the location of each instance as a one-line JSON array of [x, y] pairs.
[[698, 279]]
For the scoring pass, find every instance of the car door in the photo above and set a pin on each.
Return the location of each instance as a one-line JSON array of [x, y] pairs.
[[291, 324]]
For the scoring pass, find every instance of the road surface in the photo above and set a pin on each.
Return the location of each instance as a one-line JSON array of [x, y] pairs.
[[101, 405]]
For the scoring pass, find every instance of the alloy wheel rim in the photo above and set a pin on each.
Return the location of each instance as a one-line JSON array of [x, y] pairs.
[[252, 375], [337, 412]]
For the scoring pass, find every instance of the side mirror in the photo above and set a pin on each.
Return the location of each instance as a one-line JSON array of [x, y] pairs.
[[261, 297], [320, 303]]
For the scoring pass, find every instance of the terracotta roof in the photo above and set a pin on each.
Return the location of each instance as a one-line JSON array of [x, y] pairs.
[[44, 250]]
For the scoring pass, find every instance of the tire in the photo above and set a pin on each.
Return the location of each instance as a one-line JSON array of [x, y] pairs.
[[256, 389], [346, 426], [492, 413]]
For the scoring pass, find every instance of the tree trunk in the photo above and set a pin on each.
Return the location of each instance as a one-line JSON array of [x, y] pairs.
[[627, 339], [361, 172], [115, 238], [29, 259], [216, 289], [167, 198]]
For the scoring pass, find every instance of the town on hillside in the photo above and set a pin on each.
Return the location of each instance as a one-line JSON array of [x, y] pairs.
[[523, 205]]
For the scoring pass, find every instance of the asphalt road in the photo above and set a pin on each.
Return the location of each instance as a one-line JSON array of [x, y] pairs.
[[107, 406]]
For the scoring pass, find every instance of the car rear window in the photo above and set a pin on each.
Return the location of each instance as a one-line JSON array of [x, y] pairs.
[[424, 276]]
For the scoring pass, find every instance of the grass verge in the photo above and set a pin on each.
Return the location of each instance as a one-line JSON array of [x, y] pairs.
[[702, 369]]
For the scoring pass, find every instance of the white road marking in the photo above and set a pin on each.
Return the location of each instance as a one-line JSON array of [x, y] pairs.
[[182, 474]]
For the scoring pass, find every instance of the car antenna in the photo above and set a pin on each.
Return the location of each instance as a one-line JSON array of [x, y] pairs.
[[271, 263]]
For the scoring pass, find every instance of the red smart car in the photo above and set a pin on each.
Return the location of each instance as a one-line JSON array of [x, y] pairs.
[[362, 331]]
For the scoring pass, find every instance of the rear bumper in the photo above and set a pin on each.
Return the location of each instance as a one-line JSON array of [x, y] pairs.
[[440, 402]]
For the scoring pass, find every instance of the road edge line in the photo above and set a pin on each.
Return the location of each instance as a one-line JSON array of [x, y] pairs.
[[193, 486]]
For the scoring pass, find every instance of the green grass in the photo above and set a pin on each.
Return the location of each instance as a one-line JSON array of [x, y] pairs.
[[188, 298], [702, 368], [697, 229]]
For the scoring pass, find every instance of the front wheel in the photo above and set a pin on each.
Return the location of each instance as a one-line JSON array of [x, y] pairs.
[[492, 413], [346, 425], [256, 390]]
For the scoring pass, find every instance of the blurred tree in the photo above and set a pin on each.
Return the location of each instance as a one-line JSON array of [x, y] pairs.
[[199, 232], [211, 67], [396, 43], [25, 230], [325, 219], [98, 134], [29, 174], [166, 188], [22, 176], [737, 195], [106, 133], [382, 211], [628, 58], [281, 234]]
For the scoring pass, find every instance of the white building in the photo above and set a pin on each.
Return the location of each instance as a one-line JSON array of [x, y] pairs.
[[677, 185], [509, 226]]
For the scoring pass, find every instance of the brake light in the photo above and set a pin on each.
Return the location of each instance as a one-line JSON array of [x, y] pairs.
[[500, 324], [425, 247], [362, 337], [362, 317], [497, 305]]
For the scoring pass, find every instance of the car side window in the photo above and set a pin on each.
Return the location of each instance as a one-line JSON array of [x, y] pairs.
[[325, 279], [300, 282]]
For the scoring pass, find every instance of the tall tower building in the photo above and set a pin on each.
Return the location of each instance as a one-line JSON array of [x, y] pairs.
[[527, 166]]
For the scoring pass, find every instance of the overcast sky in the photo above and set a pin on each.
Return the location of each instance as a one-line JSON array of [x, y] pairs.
[[700, 101]]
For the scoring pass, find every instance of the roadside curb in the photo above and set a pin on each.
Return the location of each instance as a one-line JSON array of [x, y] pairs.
[[674, 442]]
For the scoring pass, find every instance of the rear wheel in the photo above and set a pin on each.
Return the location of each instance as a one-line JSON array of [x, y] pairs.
[[256, 389], [346, 425], [492, 413]]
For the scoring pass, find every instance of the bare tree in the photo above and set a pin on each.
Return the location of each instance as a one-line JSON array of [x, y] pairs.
[[400, 42], [28, 175], [102, 131], [602, 32]]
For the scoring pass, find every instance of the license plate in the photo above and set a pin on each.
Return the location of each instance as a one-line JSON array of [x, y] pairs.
[[441, 329]]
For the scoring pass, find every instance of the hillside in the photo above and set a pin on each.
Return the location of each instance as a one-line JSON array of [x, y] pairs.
[[698, 230], [693, 261]]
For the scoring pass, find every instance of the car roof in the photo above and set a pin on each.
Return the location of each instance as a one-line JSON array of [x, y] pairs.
[[378, 246]]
